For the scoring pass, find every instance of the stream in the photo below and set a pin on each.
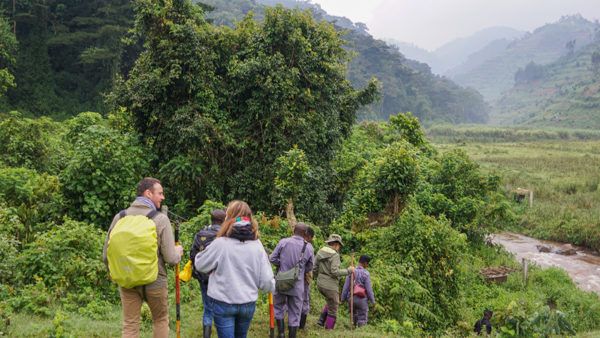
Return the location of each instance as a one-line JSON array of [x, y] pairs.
[[583, 267]]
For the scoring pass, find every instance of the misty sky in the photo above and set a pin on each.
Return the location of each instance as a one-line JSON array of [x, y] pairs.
[[431, 23]]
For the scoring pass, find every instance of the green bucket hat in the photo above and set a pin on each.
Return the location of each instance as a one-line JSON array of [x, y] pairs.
[[334, 238]]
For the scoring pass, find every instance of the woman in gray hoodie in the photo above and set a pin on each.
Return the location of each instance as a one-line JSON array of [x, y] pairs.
[[239, 266]]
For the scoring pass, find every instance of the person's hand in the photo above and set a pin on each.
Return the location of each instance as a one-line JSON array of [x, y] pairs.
[[351, 269], [179, 250]]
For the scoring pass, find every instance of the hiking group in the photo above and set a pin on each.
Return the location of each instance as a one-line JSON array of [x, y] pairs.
[[231, 265]]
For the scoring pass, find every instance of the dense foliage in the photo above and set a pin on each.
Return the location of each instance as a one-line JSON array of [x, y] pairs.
[[68, 53], [262, 112]]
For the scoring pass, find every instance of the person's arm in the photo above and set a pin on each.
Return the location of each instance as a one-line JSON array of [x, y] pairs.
[[316, 267], [167, 242], [335, 267], [346, 289], [266, 282], [275, 257], [310, 261], [104, 250], [369, 289], [207, 260]]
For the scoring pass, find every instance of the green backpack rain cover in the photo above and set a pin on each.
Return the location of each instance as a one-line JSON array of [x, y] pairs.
[[132, 250]]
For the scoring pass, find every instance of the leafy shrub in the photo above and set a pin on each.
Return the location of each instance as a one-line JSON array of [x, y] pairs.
[[29, 143], [67, 258], [101, 176], [430, 281], [8, 262], [79, 124], [35, 199]]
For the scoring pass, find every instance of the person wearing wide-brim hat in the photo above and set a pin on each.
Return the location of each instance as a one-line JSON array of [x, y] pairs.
[[327, 272]]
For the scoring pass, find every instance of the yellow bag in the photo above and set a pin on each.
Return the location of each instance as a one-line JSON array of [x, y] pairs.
[[132, 247], [186, 274]]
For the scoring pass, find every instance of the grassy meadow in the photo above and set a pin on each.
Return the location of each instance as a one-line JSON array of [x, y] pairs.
[[561, 167]]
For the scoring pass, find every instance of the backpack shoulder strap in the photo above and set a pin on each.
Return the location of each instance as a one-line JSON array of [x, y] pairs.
[[152, 214], [302, 253]]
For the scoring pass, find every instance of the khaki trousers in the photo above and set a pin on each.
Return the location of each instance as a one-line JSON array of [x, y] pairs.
[[333, 300], [132, 299]]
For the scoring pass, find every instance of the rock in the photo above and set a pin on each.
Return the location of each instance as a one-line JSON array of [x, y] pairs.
[[544, 248], [567, 250]]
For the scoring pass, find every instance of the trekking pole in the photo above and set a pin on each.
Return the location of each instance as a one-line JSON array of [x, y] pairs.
[[352, 294], [177, 300], [271, 316]]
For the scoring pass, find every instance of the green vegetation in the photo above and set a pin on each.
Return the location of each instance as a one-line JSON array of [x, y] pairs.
[[263, 112], [562, 172], [564, 93], [406, 85]]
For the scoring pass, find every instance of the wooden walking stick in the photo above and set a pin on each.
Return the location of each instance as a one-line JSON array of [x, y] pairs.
[[271, 316], [352, 294], [177, 299]]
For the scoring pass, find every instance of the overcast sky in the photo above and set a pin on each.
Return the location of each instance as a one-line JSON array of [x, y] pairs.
[[431, 23]]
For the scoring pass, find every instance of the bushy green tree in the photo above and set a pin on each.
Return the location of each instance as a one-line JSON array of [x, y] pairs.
[[8, 47], [396, 174], [291, 175], [100, 178]]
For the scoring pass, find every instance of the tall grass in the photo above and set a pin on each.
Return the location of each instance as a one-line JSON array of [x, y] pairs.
[[563, 174]]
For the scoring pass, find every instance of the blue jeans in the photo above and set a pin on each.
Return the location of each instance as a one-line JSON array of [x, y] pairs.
[[207, 318], [232, 320]]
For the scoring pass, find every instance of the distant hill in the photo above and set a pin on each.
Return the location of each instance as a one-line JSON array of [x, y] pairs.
[[565, 93], [407, 85], [456, 52], [544, 45]]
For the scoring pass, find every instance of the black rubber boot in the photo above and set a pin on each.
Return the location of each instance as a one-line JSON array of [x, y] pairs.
[[280, 328], [293, 331], [302, 322], [207, 330], [321, 321]]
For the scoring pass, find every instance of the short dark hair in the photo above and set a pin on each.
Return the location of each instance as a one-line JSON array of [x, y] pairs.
[[217, 216], [364, 259], [145, 184], [310, 232]]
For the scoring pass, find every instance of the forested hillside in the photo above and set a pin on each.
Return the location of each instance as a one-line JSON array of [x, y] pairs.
[[565, 93], [542, 46], [68, 53]]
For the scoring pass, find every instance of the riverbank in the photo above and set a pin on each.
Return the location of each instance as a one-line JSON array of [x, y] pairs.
[[564, 178], [583, 266]]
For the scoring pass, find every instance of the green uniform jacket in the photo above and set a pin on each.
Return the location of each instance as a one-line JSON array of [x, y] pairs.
[[327, 269]]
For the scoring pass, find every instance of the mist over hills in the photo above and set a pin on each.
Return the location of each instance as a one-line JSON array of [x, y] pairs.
[[456, 52], [494, 75], [564, 93]]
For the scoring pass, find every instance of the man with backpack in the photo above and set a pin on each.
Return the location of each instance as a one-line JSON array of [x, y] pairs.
[[293, 257], [362, 293], [138, 244], [202, 239]]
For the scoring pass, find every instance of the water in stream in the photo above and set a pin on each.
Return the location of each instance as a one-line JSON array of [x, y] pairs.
[[583, 267]]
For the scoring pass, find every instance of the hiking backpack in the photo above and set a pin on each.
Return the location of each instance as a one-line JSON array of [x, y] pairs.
[[132, 250], [202, 239]]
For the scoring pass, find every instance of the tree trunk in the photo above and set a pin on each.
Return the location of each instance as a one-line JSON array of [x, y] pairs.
[[289, 212]]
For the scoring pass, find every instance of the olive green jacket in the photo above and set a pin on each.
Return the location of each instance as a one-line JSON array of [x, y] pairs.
[[327, 269]]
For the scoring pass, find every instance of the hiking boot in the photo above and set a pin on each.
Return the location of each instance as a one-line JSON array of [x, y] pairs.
[[293, 330], [280, 328], [206, 331], [302, 322], [321, 321], [330, 322]]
